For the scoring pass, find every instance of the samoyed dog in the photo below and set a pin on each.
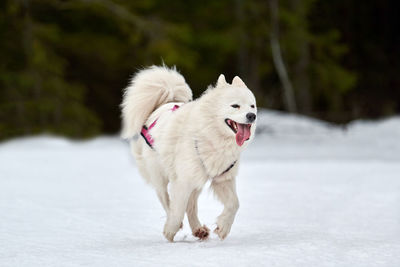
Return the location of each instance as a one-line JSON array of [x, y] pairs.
[[180, 144]]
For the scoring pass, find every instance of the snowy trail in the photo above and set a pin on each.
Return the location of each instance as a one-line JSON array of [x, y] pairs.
[[330, 202]]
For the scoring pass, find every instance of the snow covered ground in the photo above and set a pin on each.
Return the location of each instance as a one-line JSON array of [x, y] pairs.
[[311, 194]]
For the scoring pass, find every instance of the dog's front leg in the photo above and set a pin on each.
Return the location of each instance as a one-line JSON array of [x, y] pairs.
[[199, 231], [226, 193], [179, 195]]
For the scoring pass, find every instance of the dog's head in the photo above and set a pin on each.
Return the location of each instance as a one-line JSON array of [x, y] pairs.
[[237, 110]]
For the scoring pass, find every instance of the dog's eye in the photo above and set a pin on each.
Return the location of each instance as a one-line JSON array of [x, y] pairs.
[[235, 106], [252, 106]]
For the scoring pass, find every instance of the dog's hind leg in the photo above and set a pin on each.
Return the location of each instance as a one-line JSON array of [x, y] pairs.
[[152, 174], [226, 193], [179, 196], [162, 194], [199, 231]]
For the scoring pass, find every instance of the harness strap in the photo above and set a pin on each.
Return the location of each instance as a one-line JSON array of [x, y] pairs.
[[230, 167], [145, 132], [204, 166], [146, 135]]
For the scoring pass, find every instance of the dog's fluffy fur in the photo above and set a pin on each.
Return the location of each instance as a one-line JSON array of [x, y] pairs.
[[192, 145]]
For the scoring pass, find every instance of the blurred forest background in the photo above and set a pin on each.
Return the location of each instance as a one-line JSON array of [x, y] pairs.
[[63, 64]]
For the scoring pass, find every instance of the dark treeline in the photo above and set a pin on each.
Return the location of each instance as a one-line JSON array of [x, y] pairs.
[[63, 64]]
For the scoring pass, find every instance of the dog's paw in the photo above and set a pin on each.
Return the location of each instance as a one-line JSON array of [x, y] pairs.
[[169, 235], [222, 231], [202, 232], [170, 230]]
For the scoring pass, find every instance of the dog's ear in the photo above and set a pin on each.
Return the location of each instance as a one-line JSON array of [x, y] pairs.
[[238, 82], [221, 81]]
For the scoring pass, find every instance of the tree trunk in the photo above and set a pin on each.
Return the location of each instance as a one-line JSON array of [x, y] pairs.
[[242, 56], [301, 75], [288, 93], [301, 78]]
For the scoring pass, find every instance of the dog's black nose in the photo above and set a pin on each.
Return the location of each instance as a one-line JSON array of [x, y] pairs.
[[251, 117]]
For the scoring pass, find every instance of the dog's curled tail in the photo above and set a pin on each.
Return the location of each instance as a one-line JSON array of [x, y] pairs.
[[149, 89]]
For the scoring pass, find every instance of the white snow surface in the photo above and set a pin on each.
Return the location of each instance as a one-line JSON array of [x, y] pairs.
[[311, 194]]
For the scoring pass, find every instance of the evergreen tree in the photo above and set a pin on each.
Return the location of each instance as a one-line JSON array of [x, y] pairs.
[[63, 64], [35, 96]]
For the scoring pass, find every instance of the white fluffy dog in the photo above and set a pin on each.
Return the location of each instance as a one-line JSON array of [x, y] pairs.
[[185, 143]]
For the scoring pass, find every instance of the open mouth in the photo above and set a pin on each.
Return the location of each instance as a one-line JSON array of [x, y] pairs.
[[241, 130]]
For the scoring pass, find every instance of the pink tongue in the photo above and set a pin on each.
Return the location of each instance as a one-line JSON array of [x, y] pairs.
[[243, 133]]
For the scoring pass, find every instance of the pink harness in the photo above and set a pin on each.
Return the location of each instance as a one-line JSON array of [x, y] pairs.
[[150, 141], [145, 133]]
